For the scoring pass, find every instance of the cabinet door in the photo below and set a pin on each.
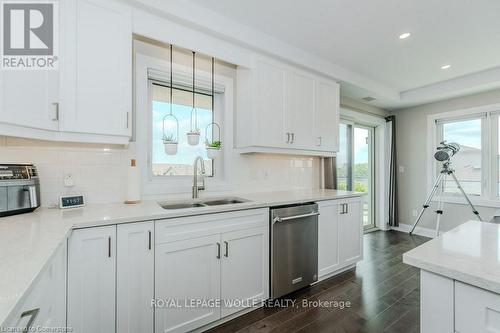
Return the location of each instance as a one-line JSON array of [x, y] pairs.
[[97, 69], [45, 303], [350, 232], [326, 116], [135, 277], [245, 268], [91, 280], [300, 110], [476, 310], [187, 271], [28, 98], [328, 237], [270, 107]]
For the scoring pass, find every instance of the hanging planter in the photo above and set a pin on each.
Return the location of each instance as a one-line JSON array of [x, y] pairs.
[[171, 140], [193, 136], [213, 146]]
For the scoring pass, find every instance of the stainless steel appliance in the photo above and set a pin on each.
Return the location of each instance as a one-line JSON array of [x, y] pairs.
[[294, 248], [19, 189]]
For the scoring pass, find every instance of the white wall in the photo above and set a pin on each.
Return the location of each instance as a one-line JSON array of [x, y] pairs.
[[412, 155], [100, 171]]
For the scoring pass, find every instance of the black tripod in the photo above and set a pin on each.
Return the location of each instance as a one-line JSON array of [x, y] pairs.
[[440, 184]]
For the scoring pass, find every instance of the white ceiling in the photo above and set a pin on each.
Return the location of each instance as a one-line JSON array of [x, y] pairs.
[[362, 36]]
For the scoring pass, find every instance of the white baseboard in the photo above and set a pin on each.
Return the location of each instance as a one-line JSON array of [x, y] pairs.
[[421, 231]]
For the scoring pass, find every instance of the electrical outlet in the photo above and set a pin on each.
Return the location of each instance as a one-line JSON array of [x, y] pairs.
[[414, 213], [401, 169], [69, 181]]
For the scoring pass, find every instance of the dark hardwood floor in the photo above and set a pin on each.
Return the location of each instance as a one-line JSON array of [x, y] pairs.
[[382, 291]]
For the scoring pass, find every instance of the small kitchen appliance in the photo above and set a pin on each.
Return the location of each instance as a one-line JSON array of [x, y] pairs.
[[19, 189]]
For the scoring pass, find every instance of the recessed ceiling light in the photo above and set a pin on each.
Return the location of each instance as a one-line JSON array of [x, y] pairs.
[[404, 35], [445, 66]]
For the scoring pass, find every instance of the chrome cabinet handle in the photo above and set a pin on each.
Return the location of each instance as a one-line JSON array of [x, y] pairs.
[[149, 240], [218, 250], [320, 141], [109, 247], [293, 137], [227, 249], [287, 137], [294, 217], [56, 111], [342, 209], [33, 314], [346, 208]]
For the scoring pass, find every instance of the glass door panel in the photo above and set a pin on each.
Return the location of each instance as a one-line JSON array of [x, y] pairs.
[[355, 167], [363, 170]]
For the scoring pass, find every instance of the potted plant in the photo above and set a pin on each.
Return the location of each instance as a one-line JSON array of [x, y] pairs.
[[193, 137], [213, 149], [170, 144]]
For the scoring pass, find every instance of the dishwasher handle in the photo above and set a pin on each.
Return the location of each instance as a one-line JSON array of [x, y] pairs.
[[294, 217]]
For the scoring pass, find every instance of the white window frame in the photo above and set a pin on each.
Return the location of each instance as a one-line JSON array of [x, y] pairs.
[[155, 186], [489, 148]]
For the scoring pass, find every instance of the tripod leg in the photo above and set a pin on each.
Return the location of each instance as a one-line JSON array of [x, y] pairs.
[[429, 198], [440, 204], [474, 210]]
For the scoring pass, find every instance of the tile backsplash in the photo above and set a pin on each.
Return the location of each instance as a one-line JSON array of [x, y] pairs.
[[99, 171]]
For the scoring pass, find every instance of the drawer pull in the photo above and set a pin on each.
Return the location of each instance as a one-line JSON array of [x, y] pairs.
[[33, 314], [109, 247]]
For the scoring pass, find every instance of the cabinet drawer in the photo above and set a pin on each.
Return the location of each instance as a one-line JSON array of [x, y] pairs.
[[476, 310], [183, 228]]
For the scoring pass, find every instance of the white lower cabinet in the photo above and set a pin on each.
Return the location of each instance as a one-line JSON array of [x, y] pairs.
[[476, 310], [340, 235], [92, 280], [328, 237], [447, 305], [350, 231], [187, 270], [45, 303], [135, 277], [209, 259], [244, 269]]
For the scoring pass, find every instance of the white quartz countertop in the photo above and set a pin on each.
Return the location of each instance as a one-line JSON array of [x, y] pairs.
[[469, 253], [28, 241]]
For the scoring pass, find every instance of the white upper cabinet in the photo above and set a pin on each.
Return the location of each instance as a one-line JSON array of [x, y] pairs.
[[300, 109], [96, 71], [326, 116], [283, 109], [89, 98], [29, 98]]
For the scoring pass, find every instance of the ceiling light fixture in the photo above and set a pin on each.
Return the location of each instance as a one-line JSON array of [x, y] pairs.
[[404, 35], [445, 66]]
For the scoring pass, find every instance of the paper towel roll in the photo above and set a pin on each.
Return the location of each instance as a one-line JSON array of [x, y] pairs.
[[133, 194]]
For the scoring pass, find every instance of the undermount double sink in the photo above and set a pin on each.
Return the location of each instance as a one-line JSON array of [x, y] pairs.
[[195, 203]]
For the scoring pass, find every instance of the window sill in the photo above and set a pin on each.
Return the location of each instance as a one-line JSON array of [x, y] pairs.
[[476, 201]]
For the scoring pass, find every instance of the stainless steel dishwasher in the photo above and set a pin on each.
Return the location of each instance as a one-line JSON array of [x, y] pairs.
[[294, 248]]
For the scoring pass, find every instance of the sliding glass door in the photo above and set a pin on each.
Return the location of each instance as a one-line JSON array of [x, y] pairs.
[[355, 165]]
